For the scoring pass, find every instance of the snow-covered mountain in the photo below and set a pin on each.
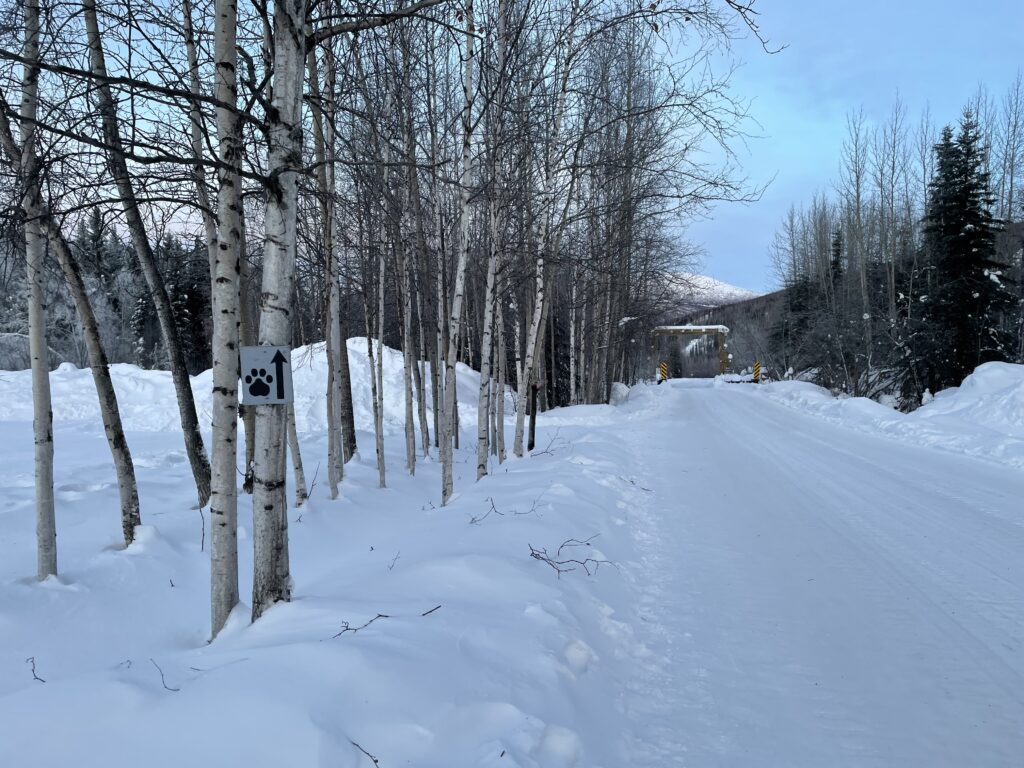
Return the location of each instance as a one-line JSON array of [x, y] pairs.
[[703, 292]]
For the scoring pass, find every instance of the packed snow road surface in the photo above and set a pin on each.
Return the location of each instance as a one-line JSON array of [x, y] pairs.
[[818, 596], [771, 578]]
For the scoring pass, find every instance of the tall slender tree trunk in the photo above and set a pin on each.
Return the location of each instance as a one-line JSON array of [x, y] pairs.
[[421, 395], [247, 327], [323, 134], [448, 423], [572, 337], [271, 576], [530, 355], [379, 377], [226, 308], [32, 204], [408, 358], [301, 491], [502, 367], [484, 406], [110, 414], [144, 253]]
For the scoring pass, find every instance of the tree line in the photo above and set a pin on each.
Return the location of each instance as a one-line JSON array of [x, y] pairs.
[[499, 183], [907, 274]]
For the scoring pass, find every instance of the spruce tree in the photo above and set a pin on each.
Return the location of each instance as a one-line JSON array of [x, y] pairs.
[[967, 305]]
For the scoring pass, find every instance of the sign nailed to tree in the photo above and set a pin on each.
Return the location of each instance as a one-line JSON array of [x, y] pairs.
[[266, 376]]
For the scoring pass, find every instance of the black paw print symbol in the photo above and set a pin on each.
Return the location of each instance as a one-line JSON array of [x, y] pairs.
[[258, 381]]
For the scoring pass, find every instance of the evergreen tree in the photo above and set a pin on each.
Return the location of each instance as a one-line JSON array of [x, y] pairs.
[[969, 300]]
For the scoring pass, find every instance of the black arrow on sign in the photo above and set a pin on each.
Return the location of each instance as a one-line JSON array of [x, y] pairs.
[[279, 360]]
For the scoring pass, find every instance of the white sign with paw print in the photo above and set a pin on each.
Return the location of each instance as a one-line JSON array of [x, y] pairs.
[[266, 375]]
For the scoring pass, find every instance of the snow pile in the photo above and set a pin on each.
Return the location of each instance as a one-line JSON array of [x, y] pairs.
[[619, 393], [984, 417], [148, 402], [992, 396], [438, 637]]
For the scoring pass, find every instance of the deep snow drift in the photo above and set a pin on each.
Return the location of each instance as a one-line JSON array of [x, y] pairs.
[[763, 576], [983, 417]]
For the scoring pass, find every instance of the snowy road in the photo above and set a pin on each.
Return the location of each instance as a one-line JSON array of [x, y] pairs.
[[815, 596]]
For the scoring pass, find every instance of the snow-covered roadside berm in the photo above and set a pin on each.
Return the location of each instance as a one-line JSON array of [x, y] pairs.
[[427, 636], [781, 590], [984, 417]]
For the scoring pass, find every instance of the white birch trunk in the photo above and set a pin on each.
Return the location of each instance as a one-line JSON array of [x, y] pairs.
[[323, 134], [484, 407], [271, 577], [301, 491], [448, 422], [531, 348], [42, 411], [486, 345], [547, 215], [502, 366], [110, 413], [421, 376], [225, 304], [408, 359], [572, 338], [378, 421]]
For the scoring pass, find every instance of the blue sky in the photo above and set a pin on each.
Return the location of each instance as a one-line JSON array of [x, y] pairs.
[[843, 55]]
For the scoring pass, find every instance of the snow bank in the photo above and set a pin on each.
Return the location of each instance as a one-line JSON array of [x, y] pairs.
[[148, 403], [983, 417], [425, 635]]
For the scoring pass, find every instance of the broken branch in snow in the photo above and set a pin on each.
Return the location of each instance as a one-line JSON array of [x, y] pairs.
[[312, 485], [635, 484], [589, 564], [373, 759], [551, 442], [477, 519], [533, 507], [346, 627], [32, 660], [163, 680]]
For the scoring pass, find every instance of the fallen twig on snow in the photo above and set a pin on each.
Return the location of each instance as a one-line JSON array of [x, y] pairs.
[[589, 564], [373, 759], [32, 660], [163, 680], [477, 519], [346, 627]]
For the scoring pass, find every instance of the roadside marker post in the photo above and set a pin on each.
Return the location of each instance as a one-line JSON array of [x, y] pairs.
[[662, 371], [757, 372], [266, 375]]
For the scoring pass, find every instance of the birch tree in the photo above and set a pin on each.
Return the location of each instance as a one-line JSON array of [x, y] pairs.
[[225, 306], [271, 571], [448, 417], [32, 205]]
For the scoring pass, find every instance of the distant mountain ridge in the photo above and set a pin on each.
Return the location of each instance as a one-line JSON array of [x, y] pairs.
[[698, 292]]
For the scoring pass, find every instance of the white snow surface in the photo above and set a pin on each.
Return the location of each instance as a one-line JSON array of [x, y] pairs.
[[790, 581], [983, 417]]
